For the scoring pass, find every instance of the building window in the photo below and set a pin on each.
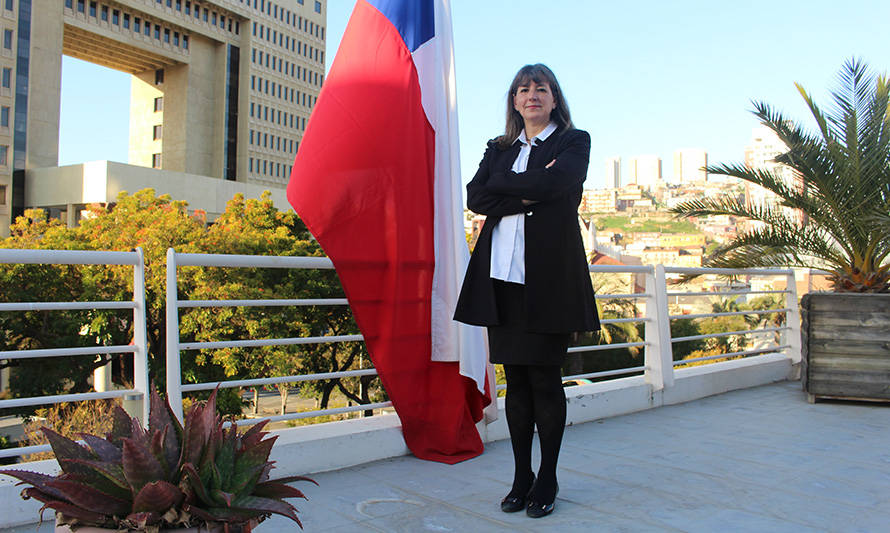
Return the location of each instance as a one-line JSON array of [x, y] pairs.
[[127, 21], [105, 13], [115, 17], [155, 160], [157, 32], [4, 116], [147, 28], [93, 9], [159, 104], [317, 6], [80, 5], [185, 42], [68, 3], [4, 155], [166, 35], [2, 194], [7, 39], [159, 76], [7, 77], [176, 38], [157, 132]]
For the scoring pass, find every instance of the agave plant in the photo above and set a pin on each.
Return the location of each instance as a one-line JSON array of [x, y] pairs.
[[834, 215], [171, 475]]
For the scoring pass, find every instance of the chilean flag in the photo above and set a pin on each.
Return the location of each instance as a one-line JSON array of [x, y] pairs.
[[377, 182]]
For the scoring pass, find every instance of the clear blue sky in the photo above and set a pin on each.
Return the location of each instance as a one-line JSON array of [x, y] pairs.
[[644, 77]]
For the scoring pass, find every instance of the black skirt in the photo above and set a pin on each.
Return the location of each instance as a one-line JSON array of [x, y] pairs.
[[510, 342]]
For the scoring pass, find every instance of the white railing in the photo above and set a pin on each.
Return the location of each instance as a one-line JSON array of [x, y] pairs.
[[175, 387], [138, 347], [657, 368]]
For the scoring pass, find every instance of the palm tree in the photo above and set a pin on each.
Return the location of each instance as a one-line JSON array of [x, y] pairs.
[[835, 214]]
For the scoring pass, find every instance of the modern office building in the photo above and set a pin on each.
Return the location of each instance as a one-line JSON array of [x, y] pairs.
[[689, 165], [613, 172], [221, 92]]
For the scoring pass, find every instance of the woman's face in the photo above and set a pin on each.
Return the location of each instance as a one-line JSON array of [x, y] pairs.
[[534, 102]]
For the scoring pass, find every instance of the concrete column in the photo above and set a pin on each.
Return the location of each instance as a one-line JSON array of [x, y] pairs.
[[102, 378], [45, 86]]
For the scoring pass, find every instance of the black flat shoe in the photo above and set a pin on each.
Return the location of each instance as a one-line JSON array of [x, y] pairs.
[[512, 503], [539, 509]]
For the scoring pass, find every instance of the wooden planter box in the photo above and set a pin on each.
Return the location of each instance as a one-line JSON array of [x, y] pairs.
[[846, 346]]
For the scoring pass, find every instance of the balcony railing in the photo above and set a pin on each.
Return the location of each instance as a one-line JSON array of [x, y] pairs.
[[658, 368]]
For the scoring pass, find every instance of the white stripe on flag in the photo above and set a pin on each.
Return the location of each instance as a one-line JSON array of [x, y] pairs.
[[451, 341]]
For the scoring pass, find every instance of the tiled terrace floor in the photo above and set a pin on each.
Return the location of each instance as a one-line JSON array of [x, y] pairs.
[[757, 460]]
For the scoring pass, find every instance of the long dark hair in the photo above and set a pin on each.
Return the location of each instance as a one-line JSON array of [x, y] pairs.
[[540, 74]]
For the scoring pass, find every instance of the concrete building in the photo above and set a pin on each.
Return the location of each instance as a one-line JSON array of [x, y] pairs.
[[613, 172], [599, 201], [221, 90], [645, 171], [760, 154], [689, 165]]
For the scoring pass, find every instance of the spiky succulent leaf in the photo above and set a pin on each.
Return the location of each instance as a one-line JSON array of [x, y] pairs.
[[104, 449], [254, 434], [196, 432], [140, 466], [157, 496], [65, 448], [160, 417], [72, 513], [107, 477], [225, 460], [291, 479], [38, 480], [258, 453], [245, 478], [121, 426], [166, 457], [89, 497], [265, 506], [276, 490], [224, 514], [223, 497], [196, 484]]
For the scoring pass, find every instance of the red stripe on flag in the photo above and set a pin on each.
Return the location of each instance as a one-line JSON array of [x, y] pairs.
[[363, 184]]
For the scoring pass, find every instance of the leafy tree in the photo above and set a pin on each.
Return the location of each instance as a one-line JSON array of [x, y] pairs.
[[31, 330], [256, 227], [835, 214]]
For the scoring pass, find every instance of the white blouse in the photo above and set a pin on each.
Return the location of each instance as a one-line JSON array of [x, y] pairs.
[[508, 237]]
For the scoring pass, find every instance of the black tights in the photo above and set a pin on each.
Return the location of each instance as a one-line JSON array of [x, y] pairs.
[[535, 397]]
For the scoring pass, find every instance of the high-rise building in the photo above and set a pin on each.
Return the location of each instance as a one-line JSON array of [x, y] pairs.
[[760, 154], [689, 164], [613, 172], [221, 92], [645, 171]]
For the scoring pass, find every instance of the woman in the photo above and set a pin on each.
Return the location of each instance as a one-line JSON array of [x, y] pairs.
[[527, 279]]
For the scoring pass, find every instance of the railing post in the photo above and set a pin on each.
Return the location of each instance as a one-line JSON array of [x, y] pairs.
[[140, 339], [658, 355], [174, 375], [792, 335]]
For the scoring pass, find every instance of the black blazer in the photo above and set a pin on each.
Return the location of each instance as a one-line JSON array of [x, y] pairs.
[[559, 295]]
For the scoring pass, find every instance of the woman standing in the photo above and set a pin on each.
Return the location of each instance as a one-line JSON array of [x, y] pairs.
[[527, 279]]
